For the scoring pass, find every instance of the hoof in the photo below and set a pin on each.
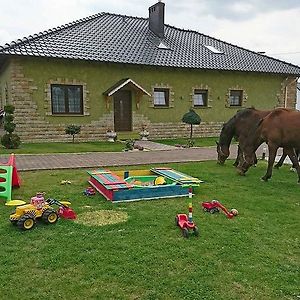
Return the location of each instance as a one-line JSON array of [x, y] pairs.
[[264, 179], [241, 173]]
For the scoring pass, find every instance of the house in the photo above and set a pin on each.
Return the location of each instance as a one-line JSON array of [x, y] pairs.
[[111, 71]]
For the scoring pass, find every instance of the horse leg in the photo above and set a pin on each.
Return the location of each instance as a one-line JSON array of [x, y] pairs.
[[292, 155], [239, 153], [272, 153], [255, 160], [282, 158]]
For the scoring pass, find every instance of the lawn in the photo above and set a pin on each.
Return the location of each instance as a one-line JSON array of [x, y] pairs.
[[253, 256], [103, 146]]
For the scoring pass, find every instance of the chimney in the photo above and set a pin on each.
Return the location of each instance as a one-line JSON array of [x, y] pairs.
[[157, 19]]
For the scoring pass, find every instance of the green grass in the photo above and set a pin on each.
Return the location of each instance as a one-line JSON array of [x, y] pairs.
[[69, 147], [253, 256]]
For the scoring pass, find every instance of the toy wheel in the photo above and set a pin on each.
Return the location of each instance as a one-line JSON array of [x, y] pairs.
[[176, 221], [26, 222], [196, 231], [50, 216], [14, 222], [185, 232], [205, 209]]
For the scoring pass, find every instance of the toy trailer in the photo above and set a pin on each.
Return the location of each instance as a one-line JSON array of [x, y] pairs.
[[134, 185]]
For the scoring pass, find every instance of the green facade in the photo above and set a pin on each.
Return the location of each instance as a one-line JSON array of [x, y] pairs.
[[264, 91]]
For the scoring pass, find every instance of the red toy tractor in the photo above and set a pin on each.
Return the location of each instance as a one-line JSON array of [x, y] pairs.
[[182, 221], [215, 206]]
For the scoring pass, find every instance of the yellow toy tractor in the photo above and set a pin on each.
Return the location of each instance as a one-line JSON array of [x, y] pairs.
[[25, 215]]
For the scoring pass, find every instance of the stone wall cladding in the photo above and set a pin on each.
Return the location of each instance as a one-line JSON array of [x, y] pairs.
[[32, 127], [176, 130], [288, 94]]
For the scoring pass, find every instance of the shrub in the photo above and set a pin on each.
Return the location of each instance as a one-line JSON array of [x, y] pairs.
[[73, 130], [10, 140], [191, 118]]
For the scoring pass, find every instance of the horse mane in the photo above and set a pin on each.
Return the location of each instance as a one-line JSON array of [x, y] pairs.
[[229, 128]]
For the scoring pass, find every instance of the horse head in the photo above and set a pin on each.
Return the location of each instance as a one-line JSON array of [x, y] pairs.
[[247, 159], [223, 153]]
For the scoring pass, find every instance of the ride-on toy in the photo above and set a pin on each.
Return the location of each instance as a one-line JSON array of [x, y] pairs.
[[186, 223], [215, 206], [25, 216]]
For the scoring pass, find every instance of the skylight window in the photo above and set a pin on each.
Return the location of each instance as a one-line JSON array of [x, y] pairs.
[[213, 49], [162, 46]]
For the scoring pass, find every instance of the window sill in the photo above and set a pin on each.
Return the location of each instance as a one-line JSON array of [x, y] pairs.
[[65, 115], [202, 107], [235, 106]]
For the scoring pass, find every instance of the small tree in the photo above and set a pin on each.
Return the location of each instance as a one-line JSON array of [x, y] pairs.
[[73, 130], [191, 118], [10, 140]]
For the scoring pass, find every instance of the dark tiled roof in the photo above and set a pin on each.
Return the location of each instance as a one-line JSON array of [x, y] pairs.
[[115, 38]]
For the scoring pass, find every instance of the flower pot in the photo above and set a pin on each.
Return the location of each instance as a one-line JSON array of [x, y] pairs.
[[144, 135], [111, 136]]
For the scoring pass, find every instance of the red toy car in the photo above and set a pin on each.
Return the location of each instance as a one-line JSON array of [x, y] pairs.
[[215, 206], [182, 221], [89, 191]]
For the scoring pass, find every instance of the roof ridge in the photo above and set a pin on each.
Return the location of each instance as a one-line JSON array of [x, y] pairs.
[[49, 31]]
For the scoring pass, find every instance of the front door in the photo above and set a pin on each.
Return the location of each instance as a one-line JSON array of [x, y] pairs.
[[123, 111]]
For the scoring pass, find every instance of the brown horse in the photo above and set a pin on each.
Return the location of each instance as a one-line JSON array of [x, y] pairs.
[[280, 128], [238, 127]]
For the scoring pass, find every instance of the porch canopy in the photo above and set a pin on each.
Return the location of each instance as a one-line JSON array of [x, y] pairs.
[[122, 83], [128, 83]]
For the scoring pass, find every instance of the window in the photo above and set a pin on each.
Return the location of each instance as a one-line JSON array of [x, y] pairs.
[[161, 97], [213, 49], [67, 99], [235, 98], [200, 98]]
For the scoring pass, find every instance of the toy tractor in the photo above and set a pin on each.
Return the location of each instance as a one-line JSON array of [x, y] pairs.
[[25, 216]]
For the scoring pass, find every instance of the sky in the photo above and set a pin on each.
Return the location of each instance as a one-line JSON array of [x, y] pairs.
[[268, 26]]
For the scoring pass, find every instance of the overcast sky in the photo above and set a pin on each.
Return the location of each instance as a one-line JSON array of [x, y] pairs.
[[259, 25]]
